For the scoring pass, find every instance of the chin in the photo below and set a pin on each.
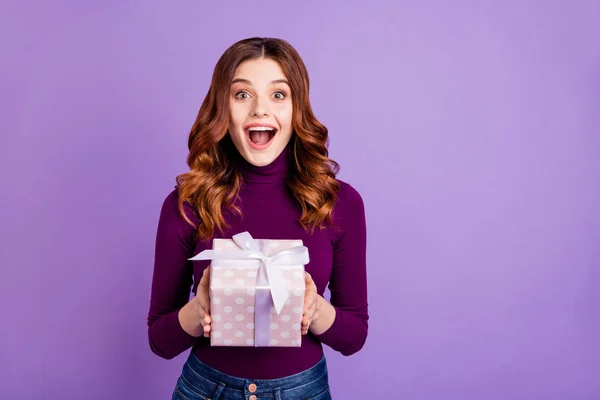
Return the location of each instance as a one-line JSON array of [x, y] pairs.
[[262, 158]]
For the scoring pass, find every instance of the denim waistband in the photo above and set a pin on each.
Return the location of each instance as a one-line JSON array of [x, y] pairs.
[[195, 370]]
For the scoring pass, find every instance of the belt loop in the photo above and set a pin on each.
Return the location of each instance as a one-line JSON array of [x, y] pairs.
[[217, 394], [277, 392]]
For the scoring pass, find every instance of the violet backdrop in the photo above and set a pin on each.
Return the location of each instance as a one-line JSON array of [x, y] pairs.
[[471, 129]]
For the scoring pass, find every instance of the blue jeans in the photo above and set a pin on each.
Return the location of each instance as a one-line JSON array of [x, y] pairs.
[[199, 381]]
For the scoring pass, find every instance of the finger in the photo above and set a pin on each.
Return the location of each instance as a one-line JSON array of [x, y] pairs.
[[207, 319], [204, 305], [309, 282], [308, 321], [205, 280], [312, 309], [305, 320], [310, 312], [305, 329], [309, 303], [310, 316], [308, 279], [306, 325]]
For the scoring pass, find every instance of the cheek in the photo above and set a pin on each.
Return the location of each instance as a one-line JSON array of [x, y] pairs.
[[285, 116], [236, 117]]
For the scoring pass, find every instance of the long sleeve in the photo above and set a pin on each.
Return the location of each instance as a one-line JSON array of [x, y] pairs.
[[171, 281], [348, 282]]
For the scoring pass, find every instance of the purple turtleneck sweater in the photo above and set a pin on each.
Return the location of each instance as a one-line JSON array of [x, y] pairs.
[[269, 211]]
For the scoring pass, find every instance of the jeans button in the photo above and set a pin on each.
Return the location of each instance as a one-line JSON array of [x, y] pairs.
[[253, 397], [252, 388]]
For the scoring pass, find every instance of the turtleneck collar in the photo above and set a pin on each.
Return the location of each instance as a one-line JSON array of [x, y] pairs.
[[275, 172]]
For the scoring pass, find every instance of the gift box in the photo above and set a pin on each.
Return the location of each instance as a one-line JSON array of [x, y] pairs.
[[256, 291]]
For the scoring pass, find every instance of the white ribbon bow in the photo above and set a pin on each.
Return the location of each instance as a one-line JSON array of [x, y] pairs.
[[249, 250]]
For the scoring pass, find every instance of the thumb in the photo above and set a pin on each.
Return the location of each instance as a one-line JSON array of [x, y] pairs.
[[308, 279], [204, 301], [205, 280]]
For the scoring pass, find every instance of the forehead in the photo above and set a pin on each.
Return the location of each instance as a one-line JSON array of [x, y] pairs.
[[259, 71]]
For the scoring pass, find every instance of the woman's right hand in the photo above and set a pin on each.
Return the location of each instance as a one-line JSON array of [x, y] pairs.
[[194, 317]]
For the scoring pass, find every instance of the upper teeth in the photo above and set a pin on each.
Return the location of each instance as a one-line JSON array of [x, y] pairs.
[[260, 128]]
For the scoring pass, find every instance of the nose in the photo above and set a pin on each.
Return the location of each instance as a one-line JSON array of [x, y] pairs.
[[259, 109], [259, 114]]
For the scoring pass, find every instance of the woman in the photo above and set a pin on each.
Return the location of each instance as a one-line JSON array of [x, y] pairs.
[[259, 163]]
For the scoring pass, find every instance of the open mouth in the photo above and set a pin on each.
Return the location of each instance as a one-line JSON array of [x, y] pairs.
[[260, 137]]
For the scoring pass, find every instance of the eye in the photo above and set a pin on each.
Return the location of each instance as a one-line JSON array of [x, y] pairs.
[[239, 95], [279, 95]]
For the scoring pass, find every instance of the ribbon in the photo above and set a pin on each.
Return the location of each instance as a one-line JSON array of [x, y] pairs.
[[270, 285]]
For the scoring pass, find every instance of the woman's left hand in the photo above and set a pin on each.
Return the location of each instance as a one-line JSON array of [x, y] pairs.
[[311, 303]]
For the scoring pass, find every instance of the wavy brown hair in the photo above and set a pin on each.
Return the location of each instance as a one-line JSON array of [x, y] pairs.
[[213, 183]]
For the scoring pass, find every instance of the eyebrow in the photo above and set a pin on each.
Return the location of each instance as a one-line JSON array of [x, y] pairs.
[[246, 81]]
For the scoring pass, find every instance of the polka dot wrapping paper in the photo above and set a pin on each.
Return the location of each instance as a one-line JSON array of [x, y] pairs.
[[233, 291]]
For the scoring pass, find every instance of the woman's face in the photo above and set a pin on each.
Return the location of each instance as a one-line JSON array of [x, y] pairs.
[[260, 111]]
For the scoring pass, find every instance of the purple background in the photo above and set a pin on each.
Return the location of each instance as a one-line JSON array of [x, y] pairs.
[[472, 132]]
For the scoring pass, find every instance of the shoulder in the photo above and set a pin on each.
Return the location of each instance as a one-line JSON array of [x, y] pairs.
[[170, 214], [348, 197], [348, 191], [170, 205], [349, 206], [171, 200]]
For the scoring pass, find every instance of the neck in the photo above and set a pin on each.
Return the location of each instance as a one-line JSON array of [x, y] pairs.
[[275, 172]]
